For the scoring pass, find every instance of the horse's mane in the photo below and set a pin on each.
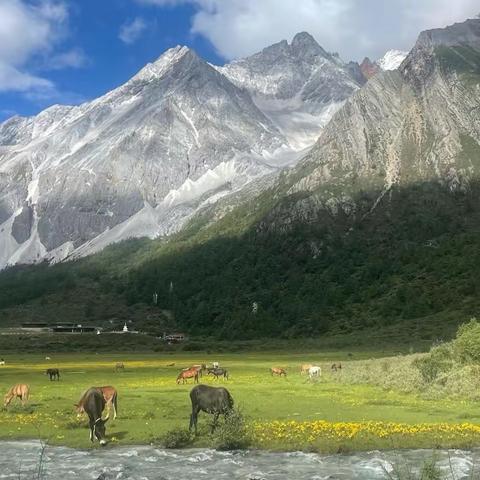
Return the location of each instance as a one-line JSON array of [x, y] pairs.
[[82, 398]]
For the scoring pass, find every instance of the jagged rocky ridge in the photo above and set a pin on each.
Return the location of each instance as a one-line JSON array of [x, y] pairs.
[[142, 159], [420, 123]]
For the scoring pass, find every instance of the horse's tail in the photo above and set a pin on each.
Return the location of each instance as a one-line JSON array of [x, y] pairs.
[[114, 404], [230, 400]]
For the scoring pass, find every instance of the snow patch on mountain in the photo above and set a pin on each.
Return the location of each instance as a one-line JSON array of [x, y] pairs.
[[391, 60]]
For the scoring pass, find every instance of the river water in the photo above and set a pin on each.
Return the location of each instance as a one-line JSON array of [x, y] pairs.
[[20, 460]]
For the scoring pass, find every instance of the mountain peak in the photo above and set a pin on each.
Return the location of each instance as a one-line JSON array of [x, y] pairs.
[[464, 33], [303, 38], [304, 45], [368, 68], [166, 61]]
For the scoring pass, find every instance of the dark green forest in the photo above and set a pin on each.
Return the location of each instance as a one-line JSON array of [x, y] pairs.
[[412, 264]]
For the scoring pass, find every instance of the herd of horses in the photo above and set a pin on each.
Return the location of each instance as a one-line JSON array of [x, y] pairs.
[[204, 398]]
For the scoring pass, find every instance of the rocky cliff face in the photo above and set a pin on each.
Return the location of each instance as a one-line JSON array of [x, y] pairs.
[[419, 123]]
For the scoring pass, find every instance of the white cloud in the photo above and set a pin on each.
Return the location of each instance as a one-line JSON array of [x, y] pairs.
[[30, 33], [27, 29], [354, 28], [130, 32], [12, 79], [74, 58]]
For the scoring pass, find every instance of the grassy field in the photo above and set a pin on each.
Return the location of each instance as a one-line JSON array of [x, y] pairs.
[[340, 412]]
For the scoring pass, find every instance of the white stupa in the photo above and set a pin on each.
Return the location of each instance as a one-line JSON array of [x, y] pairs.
[[125, 328]]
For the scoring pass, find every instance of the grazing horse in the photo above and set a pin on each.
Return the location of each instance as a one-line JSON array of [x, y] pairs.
[[218, 372], [110, 395], [314, 371], [119, 366], [216, 401], [20, 390], [184, 375], [200, 368], [278, 371], [53, 373], [304, 368], [93, 404], [336, 366]]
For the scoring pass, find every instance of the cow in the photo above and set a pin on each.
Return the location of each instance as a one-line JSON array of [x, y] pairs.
[[278, 371], [53, 373], [314, 371], [93, 404], [20, 391], [184, 375], [304, 368], [110, 395], [213, 400]]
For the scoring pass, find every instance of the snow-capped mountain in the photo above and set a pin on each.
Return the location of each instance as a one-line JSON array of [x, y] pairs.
[[391, 60], [298, 85], [140, 160]]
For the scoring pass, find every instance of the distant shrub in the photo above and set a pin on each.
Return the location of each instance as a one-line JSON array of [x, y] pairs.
[[467, 342], [439, 360], [177, 438], [233, 434]]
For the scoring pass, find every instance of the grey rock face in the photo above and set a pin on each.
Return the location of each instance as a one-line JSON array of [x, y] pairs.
[[418, 123], [301, 70]]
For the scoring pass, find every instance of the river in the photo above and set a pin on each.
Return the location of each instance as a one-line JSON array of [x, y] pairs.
[[20, 461]]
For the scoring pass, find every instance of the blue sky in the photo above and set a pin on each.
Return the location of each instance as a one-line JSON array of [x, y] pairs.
[[69, 51]]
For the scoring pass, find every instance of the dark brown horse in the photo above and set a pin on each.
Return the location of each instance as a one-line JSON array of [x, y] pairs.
[[216, 401], [110, 395], [184, 375], [93, 403], [218, 372], [53, 373]]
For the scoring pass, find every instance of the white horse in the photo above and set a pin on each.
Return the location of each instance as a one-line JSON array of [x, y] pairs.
[[314, 371]]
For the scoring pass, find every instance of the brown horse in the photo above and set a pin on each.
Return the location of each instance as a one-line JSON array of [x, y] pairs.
[[119, 366], [278, 371], [184, 375], [305, 368], [20, 390], [110, 396], [336, 366]]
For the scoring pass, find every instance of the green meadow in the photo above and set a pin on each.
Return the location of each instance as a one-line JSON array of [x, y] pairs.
[[373, 402]]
